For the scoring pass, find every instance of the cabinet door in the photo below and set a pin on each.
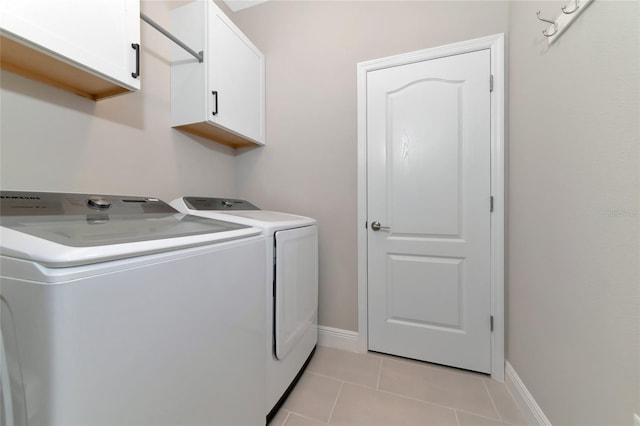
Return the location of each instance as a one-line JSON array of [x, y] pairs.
[[236, 79], [94, 35]]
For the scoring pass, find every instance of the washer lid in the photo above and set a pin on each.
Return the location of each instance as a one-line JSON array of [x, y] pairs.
[[74, 229]]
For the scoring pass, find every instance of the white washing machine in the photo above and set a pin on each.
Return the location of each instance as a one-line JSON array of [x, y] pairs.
[[292, 286], [122, 311]]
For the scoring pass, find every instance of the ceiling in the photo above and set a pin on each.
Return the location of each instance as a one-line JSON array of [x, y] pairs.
[[237, 5]]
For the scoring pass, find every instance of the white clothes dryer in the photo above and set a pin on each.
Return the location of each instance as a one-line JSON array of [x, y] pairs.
[[292, 286], [121, 310]]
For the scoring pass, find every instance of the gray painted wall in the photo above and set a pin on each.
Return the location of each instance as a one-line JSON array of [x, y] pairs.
[[573, 280], [574, 212], [56, 141], [309, 166]]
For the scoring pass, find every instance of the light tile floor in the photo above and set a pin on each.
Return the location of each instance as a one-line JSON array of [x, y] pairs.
[[344, 388]]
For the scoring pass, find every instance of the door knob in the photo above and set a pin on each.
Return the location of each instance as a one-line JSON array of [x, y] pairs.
[[376, 226]]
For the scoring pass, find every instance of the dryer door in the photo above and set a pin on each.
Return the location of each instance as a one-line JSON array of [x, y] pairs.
[[296, 287]]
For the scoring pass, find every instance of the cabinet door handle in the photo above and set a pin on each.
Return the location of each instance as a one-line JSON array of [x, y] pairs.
[[215, 111], [136, 47]]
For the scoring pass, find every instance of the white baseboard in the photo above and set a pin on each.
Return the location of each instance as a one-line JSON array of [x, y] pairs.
[[338, 338], [528, 405]]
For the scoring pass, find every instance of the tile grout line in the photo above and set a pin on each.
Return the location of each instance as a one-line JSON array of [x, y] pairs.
[[513, 398], [504, 422], [495, 407], [286, 418], [342, 380], [406, 397], [306, 417], [411, 398], [455, 412], [430, 365], [335, 402]]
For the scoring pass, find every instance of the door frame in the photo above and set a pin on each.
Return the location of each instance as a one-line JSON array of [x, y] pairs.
[[495, 43]]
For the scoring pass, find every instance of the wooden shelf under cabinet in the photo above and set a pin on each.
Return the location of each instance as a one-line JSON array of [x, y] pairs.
[[216, 134], [33, 64]]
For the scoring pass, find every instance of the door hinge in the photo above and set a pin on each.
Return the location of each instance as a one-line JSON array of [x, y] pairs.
[[491, 321], [491, 83], [491, 204]]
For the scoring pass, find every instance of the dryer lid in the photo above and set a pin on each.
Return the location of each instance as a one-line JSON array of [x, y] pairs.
[[268, 221]]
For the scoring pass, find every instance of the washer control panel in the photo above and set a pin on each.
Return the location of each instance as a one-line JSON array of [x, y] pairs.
[[20, 203], [99, 203]]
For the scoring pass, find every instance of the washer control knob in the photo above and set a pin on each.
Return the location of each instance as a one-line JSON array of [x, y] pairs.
[[99, 203]]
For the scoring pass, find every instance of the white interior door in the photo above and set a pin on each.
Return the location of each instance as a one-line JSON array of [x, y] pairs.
[[428, 188]]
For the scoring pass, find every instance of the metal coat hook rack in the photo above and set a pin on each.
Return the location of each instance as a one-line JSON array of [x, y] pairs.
[[198, 55], [570, 12]]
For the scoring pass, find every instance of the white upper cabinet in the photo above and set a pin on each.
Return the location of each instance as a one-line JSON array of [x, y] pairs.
[[223, 98], [89, 47]]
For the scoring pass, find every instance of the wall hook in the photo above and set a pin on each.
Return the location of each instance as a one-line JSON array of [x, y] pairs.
[[545, 32], [569, 12]]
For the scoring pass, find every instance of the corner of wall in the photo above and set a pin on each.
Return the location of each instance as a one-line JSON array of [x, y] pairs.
[[528, 405], [337, 338]]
